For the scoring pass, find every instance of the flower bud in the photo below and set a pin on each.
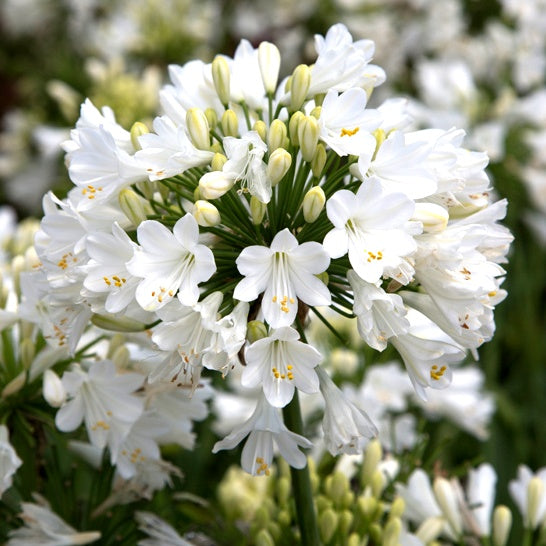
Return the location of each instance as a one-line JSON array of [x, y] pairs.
[[391, 534], [255, 330], [198, 128], [230, 123], [214, 184], [368, 506], [278, 165], [133, 206], [372, 457], [376, 533], [206, 213], [301, 80], [284, 490], [535, 493], [308, 135], [257, 210], [15, 385], [269, 60], [53, 390], [502, 523], [261, 128], [147, 187], [315, 112], [116, 341], [218, 162], [319, 160], [379, 482], [328, 521], [293, 127], [445, 496], [263, 538], [354, 540], [221, 78], [433, 217], [430, 529], [117, 324], [337, 486], [212, 117], [319, 98], [277, 135], [121, 357], [313, 203], [397, 508], [346, 520], [138, 129]]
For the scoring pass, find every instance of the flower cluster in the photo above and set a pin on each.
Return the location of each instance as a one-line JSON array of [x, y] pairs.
[[251, 204]]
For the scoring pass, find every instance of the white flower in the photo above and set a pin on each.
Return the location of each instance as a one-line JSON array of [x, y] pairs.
[[169, 151], [284, 272], [529, 493], [426, 351], [480, 494], [281, 363], [9, 461], [372, 226], [346, 427], [104, 400], [264, 427], [44, 527], [345, 124], [170, 262], [159, 532], [380, 315]]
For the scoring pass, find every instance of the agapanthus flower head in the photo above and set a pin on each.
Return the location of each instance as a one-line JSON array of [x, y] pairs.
[[250, 200]]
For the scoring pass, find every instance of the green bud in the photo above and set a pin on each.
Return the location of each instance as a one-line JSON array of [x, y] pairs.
[[315, 112], [116, 341], [348, 499], [117, 324], [198, 128], [328, 524], [230, 123], [391, 535], [148, 188], [301, 80], [430, 529], [133, 206], [121, 358], [212, 117], [284, 490], [277, 134], [274, 530], [378, 483], [279, 163], [372, 457], [339, 485], [376, 532], [293, 127], [319, 160], [138, 129], [263, 538], [269, 60], [27, 350], [15, 385], [257, 210], [313, 203], [255, 330], [397, 508], [319, 98], [346, 520], [221, 78], [218, 162], [308, 135], [354, 540], [261, 517], [261, 128], [323, 503], [196, 194], [206, 214], [368, 506], [284, 518], [502, 523]]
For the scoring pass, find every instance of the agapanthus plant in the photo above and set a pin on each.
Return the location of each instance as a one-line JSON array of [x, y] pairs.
[[250, 205]]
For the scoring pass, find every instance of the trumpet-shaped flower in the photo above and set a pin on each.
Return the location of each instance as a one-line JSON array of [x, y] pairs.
[[285, 272], [281, 363], [170, 262]]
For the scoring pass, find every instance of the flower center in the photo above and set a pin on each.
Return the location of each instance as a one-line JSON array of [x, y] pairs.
[[263, 467], [436, 373], [349, 132]]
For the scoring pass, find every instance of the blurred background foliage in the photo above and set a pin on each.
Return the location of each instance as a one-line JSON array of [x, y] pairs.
[[54, 53]]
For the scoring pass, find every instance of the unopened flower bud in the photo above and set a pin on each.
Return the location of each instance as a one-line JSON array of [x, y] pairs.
[[430, 529], [261, 128], [214, 184], [264, 538], [502, 523], [368, 506], [198, 128], [346, 520], [319, 160], [315, 112], [212, 117], [116, 341], [433, 217], [379, 482], [308, 135], [284, 490], [445, 496], [117, 324], [372, 457], [230, 123], [313, 204], [218, 162], [15, 385], [277, 135], [27, 350], [257, 210], [328, 521], [278, 165], [391, 534], [196, 194], [206, 213], [121, 357], [133, 206], [301, 80], [255, 330], [354, 540], [53, 390], [221, 78], [535, 493], [147, 187], [269, 60], [138, 129], [376, 533], [293, 127], [397, 508]]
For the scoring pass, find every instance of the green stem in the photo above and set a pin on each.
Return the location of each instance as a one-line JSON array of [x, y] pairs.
[[301, 481], [527, 537]]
